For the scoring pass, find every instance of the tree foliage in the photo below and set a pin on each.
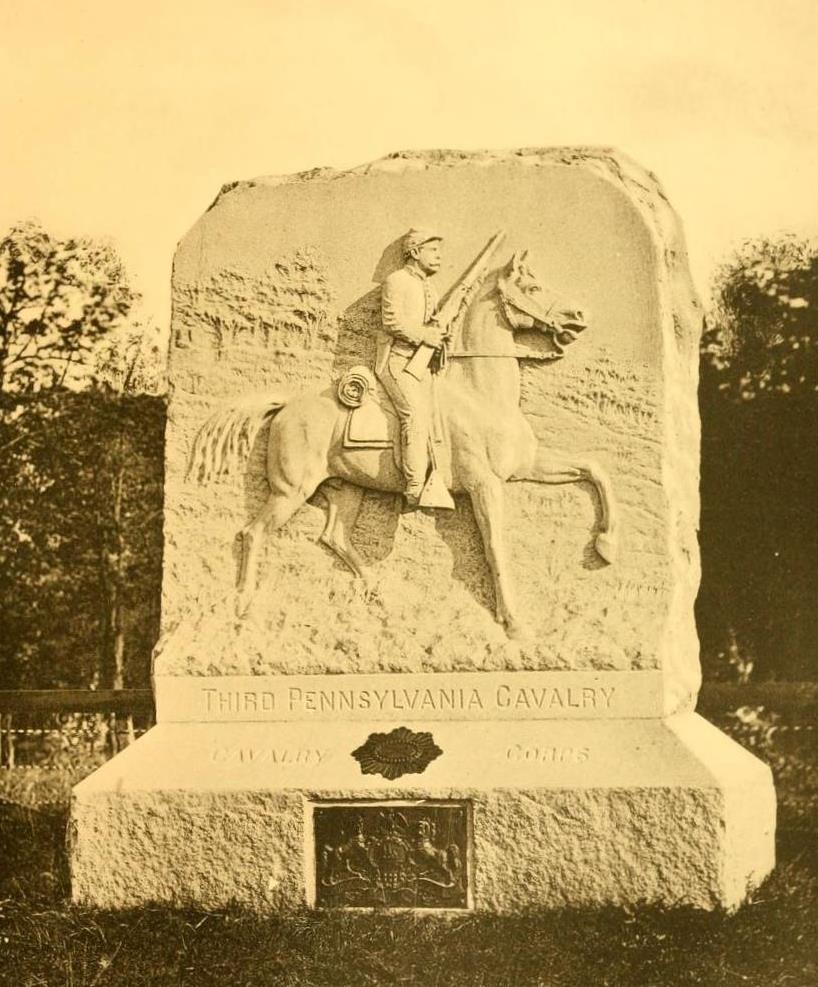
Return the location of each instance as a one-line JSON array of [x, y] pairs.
[[761, 335], [81, 465], [759, 405], [80, 538], [58, 298]]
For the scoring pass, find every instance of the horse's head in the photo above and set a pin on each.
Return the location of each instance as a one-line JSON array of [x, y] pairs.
[[528, 305]]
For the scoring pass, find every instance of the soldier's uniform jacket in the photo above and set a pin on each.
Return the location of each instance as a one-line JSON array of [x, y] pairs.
[[407, 304]]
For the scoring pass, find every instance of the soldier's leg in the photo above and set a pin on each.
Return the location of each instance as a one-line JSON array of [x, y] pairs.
[[412, 401]]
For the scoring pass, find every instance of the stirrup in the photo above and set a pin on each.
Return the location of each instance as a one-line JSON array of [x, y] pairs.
[[410, 503]]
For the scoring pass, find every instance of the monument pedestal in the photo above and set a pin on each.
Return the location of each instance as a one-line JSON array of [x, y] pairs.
[[555, 813]]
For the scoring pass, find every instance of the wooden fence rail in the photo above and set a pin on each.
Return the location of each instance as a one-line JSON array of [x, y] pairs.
[[117, 706], [76, 701]]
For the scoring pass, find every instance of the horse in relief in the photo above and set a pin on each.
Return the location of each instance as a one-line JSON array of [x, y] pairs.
[[488, 439]]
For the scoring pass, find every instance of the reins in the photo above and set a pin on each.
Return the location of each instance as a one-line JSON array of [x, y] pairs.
[[464, 354]]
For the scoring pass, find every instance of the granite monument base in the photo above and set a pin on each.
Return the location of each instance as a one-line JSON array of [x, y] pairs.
[[505, 816]]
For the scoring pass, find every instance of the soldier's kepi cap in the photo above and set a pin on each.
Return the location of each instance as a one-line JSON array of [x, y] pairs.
[[416, 237]]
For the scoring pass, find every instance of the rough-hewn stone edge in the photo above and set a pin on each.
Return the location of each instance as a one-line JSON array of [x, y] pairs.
[[398, 162], [419, 160], [749, 806], [681, 318]]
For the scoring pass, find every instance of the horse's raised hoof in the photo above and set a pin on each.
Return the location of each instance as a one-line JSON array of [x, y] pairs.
[[607, 546]]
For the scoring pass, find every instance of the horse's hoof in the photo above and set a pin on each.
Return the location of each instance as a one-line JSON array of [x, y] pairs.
[[516, 630], [606, 546], [364, 587], [243, 600]]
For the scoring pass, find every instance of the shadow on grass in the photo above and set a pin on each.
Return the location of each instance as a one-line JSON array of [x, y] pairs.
[[44, 940]]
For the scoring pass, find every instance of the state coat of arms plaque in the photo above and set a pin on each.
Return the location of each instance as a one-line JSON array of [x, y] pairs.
[[391, 855]]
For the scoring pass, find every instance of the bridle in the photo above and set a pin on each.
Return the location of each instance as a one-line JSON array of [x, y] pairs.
[[445, 354]]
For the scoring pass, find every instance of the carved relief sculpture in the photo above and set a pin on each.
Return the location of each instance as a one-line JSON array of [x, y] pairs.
[[446, 417]]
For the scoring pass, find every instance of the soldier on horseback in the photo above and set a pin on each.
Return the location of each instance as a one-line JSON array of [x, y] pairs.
[[408, 321], [483, 436]]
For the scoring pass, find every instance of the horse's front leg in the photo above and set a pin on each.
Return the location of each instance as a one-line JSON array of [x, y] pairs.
[[486, 493], [560, 467]]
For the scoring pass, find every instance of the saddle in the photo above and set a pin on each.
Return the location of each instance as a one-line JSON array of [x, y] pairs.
[[372, 423]]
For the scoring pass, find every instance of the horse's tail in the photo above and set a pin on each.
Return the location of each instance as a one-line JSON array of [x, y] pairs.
[[227, 437]]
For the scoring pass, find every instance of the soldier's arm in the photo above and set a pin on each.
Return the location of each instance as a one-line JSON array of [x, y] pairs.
[[397, 318]]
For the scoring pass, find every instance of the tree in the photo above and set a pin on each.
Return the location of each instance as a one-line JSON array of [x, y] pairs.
[[57, 299], [131, 361], [80, 538], [759, 405], [762, 335], [80, 467], [127, 533]]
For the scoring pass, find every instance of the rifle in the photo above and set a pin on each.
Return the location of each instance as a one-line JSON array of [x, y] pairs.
[[450, 309]]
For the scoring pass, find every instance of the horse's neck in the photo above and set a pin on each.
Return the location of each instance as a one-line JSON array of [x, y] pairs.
[[488, 365]]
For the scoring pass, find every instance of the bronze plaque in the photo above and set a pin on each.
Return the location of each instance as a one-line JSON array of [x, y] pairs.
[[388, 855]]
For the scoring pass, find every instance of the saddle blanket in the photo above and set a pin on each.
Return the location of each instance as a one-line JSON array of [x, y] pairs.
[[374, 425], [370, 427]]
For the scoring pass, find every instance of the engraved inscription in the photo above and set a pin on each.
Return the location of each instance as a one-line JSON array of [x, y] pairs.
[[548, 755], [391, 855], [239, 701], [397, 700], [269, 755], [587, 697], [295, 700]]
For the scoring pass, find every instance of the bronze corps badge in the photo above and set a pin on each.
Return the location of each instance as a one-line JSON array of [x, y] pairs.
[[400, 752]]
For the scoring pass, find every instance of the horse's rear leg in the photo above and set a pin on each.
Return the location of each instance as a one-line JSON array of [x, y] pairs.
[[278, 509], [343, 503], [296, 465]]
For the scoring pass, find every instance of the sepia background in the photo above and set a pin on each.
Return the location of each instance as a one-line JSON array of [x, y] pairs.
[[125, 119], [120, 122]]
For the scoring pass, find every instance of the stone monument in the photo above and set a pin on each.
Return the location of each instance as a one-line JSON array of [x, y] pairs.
[[430, 557]]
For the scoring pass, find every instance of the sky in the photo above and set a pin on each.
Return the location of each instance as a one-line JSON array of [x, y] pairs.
[[122, 120]]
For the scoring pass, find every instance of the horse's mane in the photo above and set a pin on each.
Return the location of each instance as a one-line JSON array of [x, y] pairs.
[[488, 286]]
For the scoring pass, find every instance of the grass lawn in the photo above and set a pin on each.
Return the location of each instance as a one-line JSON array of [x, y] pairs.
[[46, 941]]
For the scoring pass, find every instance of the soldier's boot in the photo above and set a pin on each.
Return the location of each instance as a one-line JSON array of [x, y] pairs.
[[411, 498], [415, 460]]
